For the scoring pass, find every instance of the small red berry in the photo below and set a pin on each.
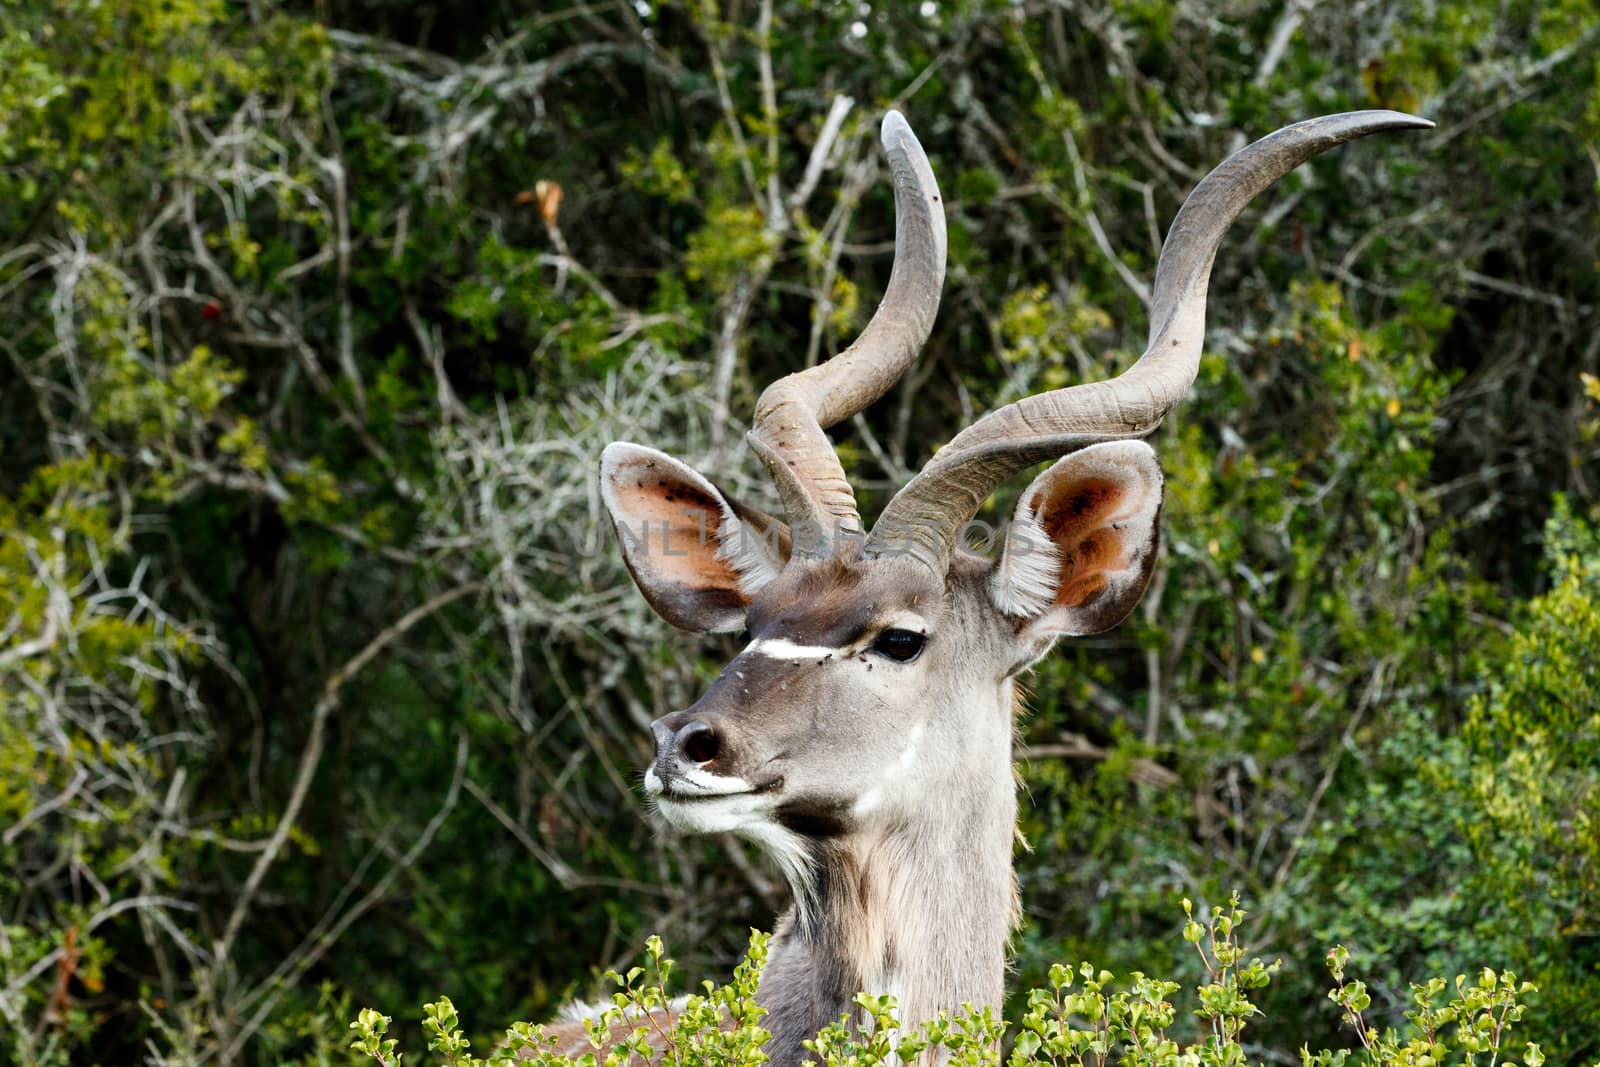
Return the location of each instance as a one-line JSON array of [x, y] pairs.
[[212, 312]]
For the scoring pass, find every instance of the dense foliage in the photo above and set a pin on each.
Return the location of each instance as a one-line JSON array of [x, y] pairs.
[[324, 687], [1081, 1017]]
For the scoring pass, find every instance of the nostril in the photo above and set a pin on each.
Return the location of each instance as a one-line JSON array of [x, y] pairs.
[[699, 743]]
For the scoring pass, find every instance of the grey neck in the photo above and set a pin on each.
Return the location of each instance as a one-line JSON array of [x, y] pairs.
[[921, 909]]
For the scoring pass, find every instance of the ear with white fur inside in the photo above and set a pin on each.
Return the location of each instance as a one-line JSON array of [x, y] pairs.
[[1082, 545], [697, 556]]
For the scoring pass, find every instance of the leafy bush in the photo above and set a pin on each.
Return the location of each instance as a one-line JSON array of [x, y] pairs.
[[1084, 1017]]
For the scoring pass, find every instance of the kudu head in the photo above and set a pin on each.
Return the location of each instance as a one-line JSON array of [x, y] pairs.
[[876, 685]]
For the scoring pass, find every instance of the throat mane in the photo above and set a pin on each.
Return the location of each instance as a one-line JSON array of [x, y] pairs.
[[921, 910]]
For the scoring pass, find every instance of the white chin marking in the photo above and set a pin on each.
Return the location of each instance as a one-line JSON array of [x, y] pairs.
[[698, 782], [652, 781], [718, 814], [778, 648]]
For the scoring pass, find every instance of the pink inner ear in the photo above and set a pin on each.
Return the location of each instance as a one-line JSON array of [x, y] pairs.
[[1079, 522], [682, 529], [1083, 506], [1085, 567], [1077, 590]]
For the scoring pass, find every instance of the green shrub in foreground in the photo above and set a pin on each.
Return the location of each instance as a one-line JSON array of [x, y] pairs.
[[1085, 1017]]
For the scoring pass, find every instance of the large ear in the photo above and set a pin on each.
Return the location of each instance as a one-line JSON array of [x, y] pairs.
[[696, 556], [1082, 545]]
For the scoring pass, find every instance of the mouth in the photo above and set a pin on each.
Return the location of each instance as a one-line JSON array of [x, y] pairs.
[[677, 796], [698, 786], [696, 783], [697, 801]]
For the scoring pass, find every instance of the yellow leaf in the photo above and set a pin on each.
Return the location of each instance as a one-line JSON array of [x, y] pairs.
[[1591, 385], [1393, 407]]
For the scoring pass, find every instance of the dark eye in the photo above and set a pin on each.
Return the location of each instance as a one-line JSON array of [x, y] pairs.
[[902, 646]]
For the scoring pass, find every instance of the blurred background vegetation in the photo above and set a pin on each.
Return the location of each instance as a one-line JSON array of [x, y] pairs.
[[323, 686]]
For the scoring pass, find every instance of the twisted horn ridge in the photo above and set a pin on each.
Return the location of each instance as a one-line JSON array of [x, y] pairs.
[[794, 411], [924, 519]]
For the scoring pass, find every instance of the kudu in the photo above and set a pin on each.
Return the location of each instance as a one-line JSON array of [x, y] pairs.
[[863, 737]]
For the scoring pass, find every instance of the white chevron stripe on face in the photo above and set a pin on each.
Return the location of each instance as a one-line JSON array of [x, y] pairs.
[[779, 648]]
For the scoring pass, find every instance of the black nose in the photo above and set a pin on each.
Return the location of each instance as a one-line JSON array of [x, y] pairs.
[[695, 741]]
